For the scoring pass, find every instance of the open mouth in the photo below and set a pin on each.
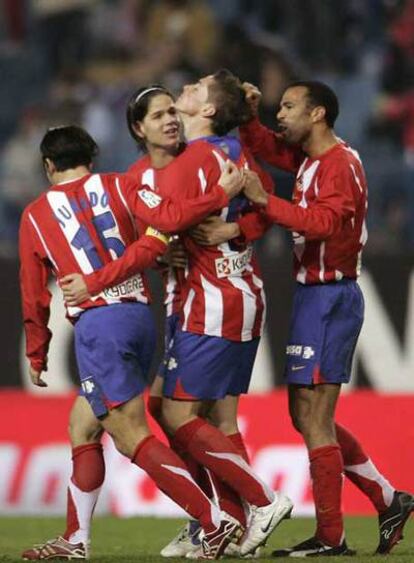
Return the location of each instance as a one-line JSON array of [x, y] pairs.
[[171, 131]]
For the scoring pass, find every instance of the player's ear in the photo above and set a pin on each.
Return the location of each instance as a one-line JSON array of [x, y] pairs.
[[318, 114], [208, 110], [48, 165], [137, 128]]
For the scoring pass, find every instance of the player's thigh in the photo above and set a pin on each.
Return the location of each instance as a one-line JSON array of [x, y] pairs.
[[84, 427], [114, 363], [127, 424], [175, 412], [223, 414], [157, 386]]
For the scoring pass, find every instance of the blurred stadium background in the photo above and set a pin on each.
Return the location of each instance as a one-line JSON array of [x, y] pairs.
[[77, 61]]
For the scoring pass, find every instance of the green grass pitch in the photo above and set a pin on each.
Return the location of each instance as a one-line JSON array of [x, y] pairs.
[[140, 539]]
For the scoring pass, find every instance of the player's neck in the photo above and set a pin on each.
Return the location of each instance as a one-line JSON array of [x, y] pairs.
[[69, 175], [160, 156], [196, 127], [319, 142]]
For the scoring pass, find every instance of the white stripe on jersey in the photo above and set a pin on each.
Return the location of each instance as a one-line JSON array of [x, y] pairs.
[[202, 178], [321, 262], [121, 197], [307, 178], [69, 225], [187, 307], [301, 275], [259, 283], [361, 189], [169, 290], [148, 178], [42, 240], [213, 308]]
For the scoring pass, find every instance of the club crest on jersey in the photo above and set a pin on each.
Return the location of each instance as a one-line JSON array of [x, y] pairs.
[[150, 198]]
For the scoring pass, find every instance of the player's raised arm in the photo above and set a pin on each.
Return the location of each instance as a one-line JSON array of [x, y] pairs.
[[265, 143]]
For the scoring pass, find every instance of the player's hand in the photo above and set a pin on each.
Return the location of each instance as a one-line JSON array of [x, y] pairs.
[[213, 231], [253, 96], [253, 188], [231, 179], [177, 254], [74, 288], [35, 376]]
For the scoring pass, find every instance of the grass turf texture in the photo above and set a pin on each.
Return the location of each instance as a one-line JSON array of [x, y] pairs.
[[141, 539]]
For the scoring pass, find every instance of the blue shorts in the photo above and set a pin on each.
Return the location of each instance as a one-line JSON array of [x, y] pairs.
[[202, 367], [170, 326], [325, 325], [114, 347]]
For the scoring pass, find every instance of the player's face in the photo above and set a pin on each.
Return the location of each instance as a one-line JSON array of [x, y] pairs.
[[295, 115], [161, 125], [194, 97]]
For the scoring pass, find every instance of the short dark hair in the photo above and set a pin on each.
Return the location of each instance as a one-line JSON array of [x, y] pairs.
[[320, 94], [68, 146], [229, 98], [138, 105]]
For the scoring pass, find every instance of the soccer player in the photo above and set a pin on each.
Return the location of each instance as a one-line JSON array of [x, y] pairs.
[[327, 219], [220, 322], [140, 112], [82, 222]]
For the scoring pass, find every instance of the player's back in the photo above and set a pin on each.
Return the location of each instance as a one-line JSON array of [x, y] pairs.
[[83, 224]]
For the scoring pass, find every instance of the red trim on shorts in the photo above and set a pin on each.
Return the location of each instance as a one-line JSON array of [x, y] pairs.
[[317, 377], [181, 393]]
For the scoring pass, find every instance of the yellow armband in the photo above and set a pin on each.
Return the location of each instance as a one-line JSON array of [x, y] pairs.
[[157, 234]]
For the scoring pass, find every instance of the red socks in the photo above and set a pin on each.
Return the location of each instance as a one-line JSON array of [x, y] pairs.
[[326, 467], [173, 478], [212, 448], [228, 499], [362, 472], [83, 490]]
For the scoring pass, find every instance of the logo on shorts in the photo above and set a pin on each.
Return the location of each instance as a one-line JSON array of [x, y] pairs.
[[305, 352], [172, 363], [88, 386]]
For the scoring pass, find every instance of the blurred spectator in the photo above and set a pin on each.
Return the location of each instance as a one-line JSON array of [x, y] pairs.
[[21, 174], [191, 23]]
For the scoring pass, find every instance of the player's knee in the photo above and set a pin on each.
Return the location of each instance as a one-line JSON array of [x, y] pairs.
[[227, 427], [81, 433]]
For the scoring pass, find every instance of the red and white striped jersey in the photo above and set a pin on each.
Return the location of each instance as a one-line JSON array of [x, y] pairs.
[[172, 278], [81, 225], [222, 295], [328, 212]]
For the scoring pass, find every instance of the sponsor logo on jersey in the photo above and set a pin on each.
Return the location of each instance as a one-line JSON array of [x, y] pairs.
[[129, 288], [233, 264], [150, 198]]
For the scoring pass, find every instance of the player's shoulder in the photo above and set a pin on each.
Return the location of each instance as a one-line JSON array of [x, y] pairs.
[[139, 165], [36, 204], [342, 156], [203, 150]]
